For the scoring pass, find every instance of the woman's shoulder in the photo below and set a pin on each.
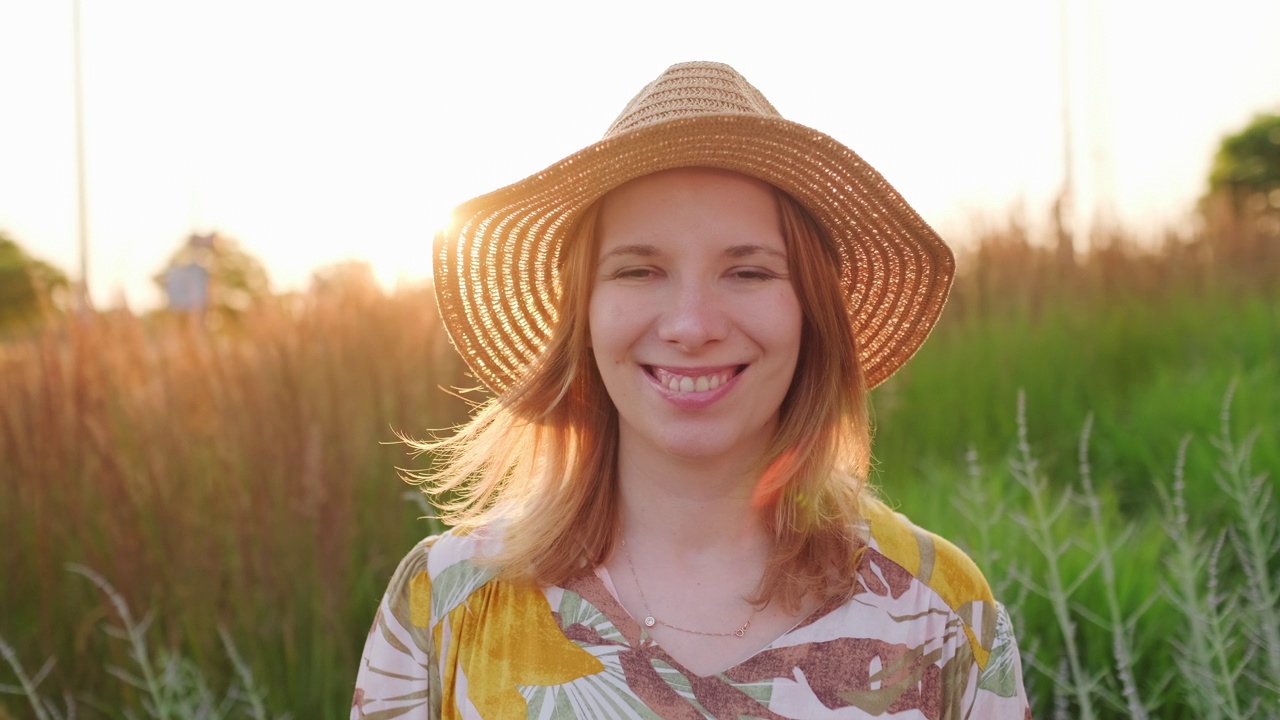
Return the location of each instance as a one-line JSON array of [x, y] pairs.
[[436, 554], [953, 577], [930, 558], [440, 571], [946, 570]]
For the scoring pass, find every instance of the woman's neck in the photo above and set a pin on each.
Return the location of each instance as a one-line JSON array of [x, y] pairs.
[[674, 503]]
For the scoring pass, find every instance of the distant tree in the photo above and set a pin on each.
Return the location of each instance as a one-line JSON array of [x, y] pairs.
[[28, 287], [347, 281], [1249, 161], [1242, 207], [214, 275]]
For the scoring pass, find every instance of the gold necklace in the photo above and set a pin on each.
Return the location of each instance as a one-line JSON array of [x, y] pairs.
[[650, 620]]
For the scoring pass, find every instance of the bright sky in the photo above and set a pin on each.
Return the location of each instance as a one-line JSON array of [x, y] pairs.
[[321, 131]]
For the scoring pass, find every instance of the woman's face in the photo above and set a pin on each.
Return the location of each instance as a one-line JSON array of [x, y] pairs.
[[694, 324]]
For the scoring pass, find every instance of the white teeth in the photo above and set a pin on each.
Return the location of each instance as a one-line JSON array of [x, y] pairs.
[[685, 383]]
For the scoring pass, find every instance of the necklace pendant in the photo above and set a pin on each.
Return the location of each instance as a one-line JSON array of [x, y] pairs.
[[649, 621]]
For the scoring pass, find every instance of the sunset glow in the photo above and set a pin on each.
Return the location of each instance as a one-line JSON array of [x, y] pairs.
[[320, 133]]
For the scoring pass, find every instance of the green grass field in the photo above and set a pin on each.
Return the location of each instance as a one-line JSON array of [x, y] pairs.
[[244, 485]]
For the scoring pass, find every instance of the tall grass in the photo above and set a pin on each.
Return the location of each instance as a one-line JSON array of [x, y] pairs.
[[1126, 605], [246, 480], [1124, 618], [169, 686], [1145, 341]]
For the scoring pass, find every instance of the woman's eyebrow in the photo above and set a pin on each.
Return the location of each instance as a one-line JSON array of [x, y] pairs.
[[637, 250], [741, 251], [735, 251]]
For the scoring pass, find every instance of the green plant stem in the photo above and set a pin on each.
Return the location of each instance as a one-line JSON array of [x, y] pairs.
[[1040, 531], [27, 687], [134, 632], [1222, 611], [1252, 497], [1121, 644]]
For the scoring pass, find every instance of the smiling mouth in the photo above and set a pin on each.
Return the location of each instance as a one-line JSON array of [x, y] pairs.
[[678, 383]]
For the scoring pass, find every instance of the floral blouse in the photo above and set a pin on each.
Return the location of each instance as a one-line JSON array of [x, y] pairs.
[[921, 638]]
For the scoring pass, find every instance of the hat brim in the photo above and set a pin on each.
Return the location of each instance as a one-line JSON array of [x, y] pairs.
[[496, 270]]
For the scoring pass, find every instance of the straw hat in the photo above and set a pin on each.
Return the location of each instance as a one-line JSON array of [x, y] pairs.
[[497, 270]]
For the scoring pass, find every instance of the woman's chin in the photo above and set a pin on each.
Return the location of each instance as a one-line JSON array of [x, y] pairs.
[[711, 448]]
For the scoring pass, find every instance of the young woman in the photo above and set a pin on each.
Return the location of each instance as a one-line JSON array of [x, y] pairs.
[[664, 511]]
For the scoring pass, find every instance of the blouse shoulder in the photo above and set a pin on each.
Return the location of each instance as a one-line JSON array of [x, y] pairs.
[[440, 572], [414, 563], [942, 567], [930, 558]]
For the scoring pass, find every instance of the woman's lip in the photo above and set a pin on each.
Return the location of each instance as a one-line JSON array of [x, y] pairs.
[[695, 371], [694, 399]]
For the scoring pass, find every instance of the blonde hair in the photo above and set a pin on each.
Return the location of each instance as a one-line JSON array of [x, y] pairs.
[[538, 462]]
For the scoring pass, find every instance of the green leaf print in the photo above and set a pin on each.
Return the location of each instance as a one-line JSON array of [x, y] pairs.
[[454, 585]]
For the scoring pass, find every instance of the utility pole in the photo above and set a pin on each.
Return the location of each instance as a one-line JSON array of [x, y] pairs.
[[1064, 205], [82, 299]]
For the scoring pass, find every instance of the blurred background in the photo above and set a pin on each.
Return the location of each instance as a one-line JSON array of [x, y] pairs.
[[317, 133], [216, 316]]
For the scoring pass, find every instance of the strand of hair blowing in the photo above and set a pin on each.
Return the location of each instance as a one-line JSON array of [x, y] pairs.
[[537, 464]]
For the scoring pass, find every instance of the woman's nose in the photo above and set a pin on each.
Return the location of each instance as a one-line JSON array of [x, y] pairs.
[[693, 317]]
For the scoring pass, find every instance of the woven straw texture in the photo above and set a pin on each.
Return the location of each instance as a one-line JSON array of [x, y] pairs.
[[496, 266]]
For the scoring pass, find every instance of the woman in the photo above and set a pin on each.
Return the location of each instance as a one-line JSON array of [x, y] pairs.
[[664, 511]]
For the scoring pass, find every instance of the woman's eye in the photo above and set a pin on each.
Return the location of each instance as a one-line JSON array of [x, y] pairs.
[[635, 273], [754, 274]]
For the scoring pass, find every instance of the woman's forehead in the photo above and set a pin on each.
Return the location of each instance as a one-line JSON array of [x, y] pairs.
[[687, 204], [702, 182]]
